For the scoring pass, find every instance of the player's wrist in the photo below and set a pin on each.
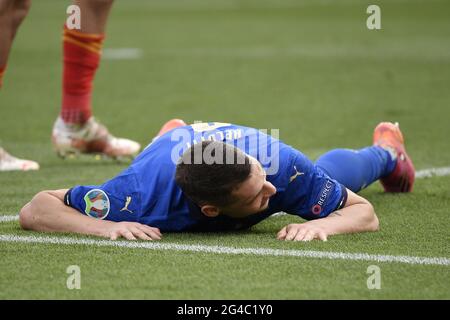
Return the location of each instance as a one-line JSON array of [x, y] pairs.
[[101, 228], [321, 225]]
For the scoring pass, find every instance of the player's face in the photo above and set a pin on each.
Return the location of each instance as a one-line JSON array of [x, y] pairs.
[[252, 195]]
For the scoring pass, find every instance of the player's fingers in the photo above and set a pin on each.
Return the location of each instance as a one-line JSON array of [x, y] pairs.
[[127, 235], [322, 236], [113, 236], [140, 234], [146, 228], [151, 233], [282, 234], [300, 235], [156, 236], [291, 234], [156, 230], [309, 235]]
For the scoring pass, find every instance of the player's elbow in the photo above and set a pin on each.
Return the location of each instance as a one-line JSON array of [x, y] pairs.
[[29, 214], [372, 222], [26, 217]]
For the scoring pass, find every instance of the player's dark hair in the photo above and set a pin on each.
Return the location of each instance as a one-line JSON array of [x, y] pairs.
[[209, 171]]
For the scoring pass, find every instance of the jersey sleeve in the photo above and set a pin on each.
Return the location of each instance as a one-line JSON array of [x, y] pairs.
[[116, 200], [311, 193]]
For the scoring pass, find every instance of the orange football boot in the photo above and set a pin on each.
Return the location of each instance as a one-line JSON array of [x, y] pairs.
[[388, 136]]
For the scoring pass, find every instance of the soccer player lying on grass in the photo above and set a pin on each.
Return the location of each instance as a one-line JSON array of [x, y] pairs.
[[189, 179]]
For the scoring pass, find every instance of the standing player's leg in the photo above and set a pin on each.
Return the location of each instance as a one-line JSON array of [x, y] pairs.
[[386, 160], [5, 35], [12, 13], [76, 130]]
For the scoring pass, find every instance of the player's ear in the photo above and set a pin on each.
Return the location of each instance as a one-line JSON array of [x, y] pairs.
[[210, 211]]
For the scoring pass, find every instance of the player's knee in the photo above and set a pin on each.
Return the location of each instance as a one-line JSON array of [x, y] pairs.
[[98, 3], [28, 215], [5, 6], [373, 222], [105, 2], [23, 5], [20, 11]]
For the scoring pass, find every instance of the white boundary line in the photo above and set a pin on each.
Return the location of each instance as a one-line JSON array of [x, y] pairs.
[[122, 53], [427, 173], [9, 218], [444, 171], [230, 250]]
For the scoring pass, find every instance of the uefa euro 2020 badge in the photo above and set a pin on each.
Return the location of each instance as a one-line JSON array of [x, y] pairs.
[[97, 204]]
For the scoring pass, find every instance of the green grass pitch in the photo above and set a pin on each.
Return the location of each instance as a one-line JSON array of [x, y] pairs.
[[309, 68]]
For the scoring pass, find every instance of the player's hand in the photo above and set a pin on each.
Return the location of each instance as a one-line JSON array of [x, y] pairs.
[[301, 232], [133, 231]]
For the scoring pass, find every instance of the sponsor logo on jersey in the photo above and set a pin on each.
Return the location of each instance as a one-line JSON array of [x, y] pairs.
[[127, 203], [292, 178]]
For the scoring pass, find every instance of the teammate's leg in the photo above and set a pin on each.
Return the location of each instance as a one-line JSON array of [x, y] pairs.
[[76, 130], [12, 13]]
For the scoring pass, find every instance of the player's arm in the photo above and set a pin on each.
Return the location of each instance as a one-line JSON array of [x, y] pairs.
[[358, 215], [47, 212]]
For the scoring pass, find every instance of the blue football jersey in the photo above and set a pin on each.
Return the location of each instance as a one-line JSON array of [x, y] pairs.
[[146, 191]]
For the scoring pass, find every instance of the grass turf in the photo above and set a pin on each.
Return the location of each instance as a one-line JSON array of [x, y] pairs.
[[309, 68]]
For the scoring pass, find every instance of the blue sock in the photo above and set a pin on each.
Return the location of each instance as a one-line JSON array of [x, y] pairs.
[[357, 169]]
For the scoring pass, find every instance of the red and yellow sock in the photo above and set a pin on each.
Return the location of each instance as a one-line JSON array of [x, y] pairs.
[[2, 72], [82, 53]]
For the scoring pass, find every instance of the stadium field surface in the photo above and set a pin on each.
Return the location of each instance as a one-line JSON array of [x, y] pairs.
[[309, 68]]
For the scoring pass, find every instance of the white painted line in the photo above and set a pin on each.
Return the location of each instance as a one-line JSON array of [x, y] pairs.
[[9, 218], [122, 54], [230, 250], [427, 173]]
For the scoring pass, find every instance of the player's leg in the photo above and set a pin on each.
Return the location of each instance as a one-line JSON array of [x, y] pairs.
[[20, 11], [76, 130], [12, 13], [357, 169], [94, 15], [82, 53], [386, 160], [6, 34]]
